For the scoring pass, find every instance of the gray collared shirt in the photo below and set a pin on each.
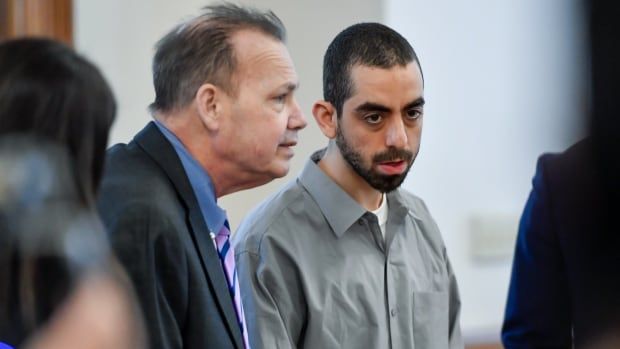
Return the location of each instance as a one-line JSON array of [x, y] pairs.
[[315, 272]]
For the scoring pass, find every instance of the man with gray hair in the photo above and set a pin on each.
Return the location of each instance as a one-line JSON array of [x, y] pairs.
[[225, 120]]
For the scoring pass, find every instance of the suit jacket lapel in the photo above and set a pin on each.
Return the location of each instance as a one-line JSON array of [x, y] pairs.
[[157, 146]]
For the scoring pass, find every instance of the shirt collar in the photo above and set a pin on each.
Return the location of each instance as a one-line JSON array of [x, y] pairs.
[[200, 181], [338, 207]]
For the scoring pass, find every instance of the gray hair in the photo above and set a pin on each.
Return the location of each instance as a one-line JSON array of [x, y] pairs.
[[199, 51]]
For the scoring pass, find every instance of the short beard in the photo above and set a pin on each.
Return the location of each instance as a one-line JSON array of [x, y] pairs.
[[382, 183]]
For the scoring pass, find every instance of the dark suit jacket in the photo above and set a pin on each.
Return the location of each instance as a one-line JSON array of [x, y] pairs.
[[565, 286], [159, 234]]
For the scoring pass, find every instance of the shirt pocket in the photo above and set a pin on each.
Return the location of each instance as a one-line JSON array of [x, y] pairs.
[[431, 320]]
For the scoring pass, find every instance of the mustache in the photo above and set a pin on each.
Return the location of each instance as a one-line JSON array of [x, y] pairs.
[[392, 154]]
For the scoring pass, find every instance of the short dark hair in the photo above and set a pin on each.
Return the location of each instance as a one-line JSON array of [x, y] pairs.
[[49, 91], [368, 44], [200, 51]]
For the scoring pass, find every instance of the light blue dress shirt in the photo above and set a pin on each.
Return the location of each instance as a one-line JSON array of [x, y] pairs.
[[200, 181]]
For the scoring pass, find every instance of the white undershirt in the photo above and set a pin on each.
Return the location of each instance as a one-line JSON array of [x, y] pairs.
[[382, 214]]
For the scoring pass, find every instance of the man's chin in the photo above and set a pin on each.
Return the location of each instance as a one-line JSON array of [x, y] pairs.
[[386, 184], [281, 169]]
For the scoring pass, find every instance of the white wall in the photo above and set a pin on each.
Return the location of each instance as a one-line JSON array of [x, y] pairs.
[[502, 86], [119, 37]]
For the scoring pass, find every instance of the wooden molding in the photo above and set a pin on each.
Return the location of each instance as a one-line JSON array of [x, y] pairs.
[[42, 18]]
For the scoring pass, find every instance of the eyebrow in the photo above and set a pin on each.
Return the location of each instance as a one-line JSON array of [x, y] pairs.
[[370, 106], [416, 104], [291, 86]]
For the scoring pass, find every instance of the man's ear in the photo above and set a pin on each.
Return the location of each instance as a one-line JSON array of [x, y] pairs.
[[209, 100], [325, 116]]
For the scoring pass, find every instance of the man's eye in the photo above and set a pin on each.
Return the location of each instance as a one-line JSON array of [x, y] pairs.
[[413, 114], [280, 99], [373, 118]]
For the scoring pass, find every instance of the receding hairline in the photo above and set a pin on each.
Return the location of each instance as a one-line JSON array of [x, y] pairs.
[[214, 60], [249, 54]]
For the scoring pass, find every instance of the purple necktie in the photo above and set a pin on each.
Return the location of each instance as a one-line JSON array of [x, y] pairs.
[[227, 257]]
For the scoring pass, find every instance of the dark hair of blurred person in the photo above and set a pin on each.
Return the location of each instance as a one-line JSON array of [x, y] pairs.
[[56, 110], [48, 90]]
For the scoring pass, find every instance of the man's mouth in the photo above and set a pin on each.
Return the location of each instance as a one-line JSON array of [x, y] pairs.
[[395, 167]]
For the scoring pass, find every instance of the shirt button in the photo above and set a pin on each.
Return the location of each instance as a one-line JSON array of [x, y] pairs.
[[360, 221], [393, 312]]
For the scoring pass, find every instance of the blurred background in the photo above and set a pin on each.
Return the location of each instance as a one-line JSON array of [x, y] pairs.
[[504, 82]]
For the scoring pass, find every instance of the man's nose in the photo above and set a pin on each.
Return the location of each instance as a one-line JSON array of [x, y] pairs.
[[396, 134], [296, 120]]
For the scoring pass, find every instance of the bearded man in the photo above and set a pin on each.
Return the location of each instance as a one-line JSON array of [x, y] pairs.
[[341, 257]]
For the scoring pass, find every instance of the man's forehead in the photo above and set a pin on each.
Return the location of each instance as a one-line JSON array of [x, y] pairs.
[[373, 84], [360, 73], [248, 42], [253, 47]]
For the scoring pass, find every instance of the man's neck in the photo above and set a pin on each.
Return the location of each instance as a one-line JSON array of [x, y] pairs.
[[337, 168], [225, 175]]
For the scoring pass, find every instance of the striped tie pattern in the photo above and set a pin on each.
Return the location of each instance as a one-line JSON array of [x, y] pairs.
[[227, 257]]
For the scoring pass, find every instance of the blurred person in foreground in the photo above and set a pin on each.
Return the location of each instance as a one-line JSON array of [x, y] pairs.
[[226, 119], [341, 257], [565, 285], [59, 285]]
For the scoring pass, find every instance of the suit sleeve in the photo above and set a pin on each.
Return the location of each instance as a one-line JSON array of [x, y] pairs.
[[537, 312], [272, 299], [156, 263]]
